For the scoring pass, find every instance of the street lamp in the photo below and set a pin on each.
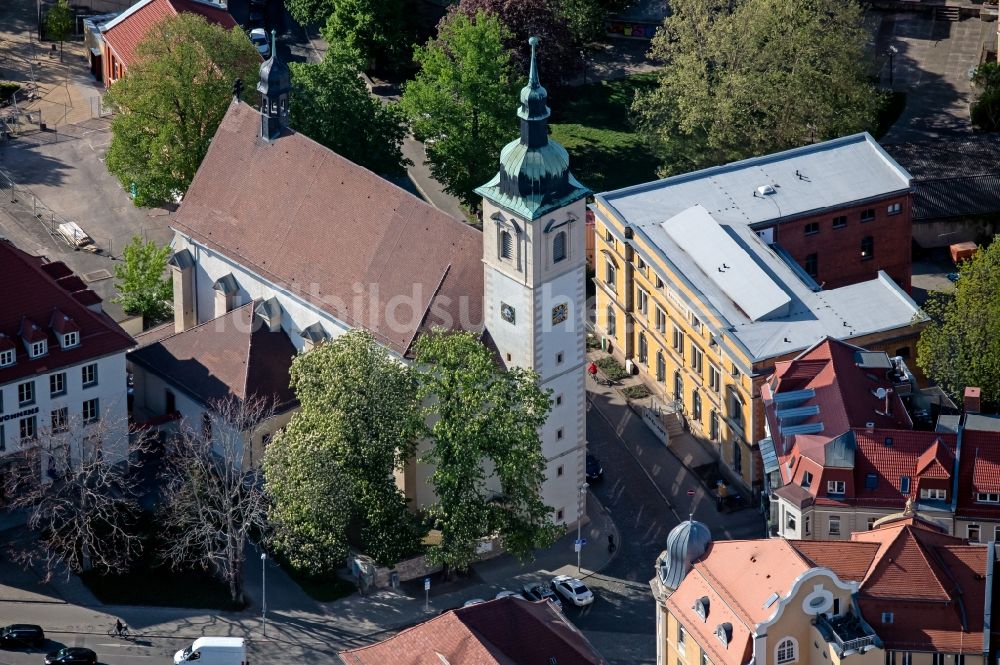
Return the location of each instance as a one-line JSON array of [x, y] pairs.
[[892, 52], [579, 523], [263, 592]]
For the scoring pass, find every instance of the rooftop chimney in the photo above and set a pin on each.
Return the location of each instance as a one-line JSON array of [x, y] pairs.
[[971, 399]]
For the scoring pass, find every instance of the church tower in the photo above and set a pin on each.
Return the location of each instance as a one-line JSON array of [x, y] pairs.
[[274, 85], [534, 214]]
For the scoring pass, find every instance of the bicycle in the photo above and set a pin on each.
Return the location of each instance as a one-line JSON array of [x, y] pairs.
[[125, 633]]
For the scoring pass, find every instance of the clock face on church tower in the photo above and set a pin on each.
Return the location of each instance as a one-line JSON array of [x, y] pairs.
[[507, 312]]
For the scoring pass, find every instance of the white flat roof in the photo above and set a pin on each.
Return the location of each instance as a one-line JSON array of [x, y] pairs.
[[805, 180], [726, 264], [758, 280]]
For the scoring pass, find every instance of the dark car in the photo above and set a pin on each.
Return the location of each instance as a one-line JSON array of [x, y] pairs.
[[594, 469], [541, 592], [71, 656], [22, 635]]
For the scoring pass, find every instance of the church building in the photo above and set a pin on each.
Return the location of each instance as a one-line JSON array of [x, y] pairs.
[[281, 244]]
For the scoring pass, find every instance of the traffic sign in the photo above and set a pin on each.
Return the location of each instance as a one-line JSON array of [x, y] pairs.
[[581, 541], [576, 546], [427, 584], [690, 492]]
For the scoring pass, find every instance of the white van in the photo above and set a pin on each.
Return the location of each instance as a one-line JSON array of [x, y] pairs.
[[213, 651]]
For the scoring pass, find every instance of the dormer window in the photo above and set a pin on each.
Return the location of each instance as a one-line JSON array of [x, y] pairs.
[[70, 339], [39, 348], [7, 357], [725, 633], [701, 607]]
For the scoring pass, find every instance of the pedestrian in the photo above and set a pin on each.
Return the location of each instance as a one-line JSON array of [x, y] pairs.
[[592, 370], [119, 627]]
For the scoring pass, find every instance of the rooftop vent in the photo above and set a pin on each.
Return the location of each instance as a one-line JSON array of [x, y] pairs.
[[870, 427], [765, 190]]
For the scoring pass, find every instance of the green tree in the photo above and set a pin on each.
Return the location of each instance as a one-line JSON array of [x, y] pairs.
[[986, 108], [172, 101], [310, 12], [59, 23], [750, 77], [960, 346], [358, 407], [461, 103], [142, 288], [482, 418], [333, 106], [377, 29]]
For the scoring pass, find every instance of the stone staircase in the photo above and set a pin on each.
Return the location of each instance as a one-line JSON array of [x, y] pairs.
[[947, 14]]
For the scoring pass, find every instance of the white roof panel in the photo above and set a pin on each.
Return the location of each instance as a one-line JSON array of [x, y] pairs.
[[726, 263]]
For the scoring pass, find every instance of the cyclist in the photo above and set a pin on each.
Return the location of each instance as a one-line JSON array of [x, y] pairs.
[[120, 628], [592, 370]]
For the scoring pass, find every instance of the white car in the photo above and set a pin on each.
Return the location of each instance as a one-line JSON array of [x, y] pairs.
[[259, 38], [573, 590], [474, 601]]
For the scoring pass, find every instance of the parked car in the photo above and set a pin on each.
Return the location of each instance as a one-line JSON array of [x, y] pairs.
[[259, 38], [71, 656], [22, 635], [573, 590], [506, 593], [474, 601], [594, 469], [541, 592]]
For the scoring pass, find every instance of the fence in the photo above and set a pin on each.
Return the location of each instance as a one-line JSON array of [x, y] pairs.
[[28, 209]]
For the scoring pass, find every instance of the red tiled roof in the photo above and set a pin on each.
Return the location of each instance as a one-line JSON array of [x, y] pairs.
[[305, 218], [849, 561], [61, 323], [979, 471], [936, 462], [124, 36], [890, 463], [508, 631], [933, 583], [32, 293], [234, 354]]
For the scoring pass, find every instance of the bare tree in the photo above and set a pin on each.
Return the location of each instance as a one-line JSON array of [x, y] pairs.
[[212, 502], [79, 484]]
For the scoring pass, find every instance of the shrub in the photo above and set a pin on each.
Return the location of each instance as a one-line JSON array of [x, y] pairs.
[[636, 392], [612, 369]]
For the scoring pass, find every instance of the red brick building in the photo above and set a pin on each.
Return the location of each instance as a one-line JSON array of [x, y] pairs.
[[123, 34]]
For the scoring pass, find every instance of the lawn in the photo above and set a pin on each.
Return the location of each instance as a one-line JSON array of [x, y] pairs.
[[593, 124]]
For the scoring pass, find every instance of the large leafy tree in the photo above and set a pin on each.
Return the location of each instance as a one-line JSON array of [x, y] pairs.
[[462, 102], [59, 23], [960, 346], [310, 12], [482, 424], [558, 60], [358, 415], [171, 102], [749, 77], [333, 106], [377, 29], [142, 288]]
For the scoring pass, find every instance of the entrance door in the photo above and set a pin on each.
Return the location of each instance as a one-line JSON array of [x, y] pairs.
[[171, 402]]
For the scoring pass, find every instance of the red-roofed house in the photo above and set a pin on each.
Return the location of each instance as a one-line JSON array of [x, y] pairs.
[[123, 34], [62, 362], [844, 452], [904, 593], [507, 631]]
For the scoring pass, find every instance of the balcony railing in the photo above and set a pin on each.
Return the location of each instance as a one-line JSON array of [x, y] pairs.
[[848, 632]]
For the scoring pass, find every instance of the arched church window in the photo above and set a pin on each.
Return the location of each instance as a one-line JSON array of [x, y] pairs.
[[559, 247], [786, 651], [506, 244]]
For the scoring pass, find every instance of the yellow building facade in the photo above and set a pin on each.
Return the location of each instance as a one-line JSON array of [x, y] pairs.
[[654, 317]]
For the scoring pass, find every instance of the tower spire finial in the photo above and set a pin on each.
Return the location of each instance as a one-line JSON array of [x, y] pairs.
[[274, 43], [533, 70]]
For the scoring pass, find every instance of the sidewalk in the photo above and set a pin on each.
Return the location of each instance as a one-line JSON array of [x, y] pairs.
[[669, 467], [389, 609]]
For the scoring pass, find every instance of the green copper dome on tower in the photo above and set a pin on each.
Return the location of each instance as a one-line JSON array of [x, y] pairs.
[[534, 175]]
